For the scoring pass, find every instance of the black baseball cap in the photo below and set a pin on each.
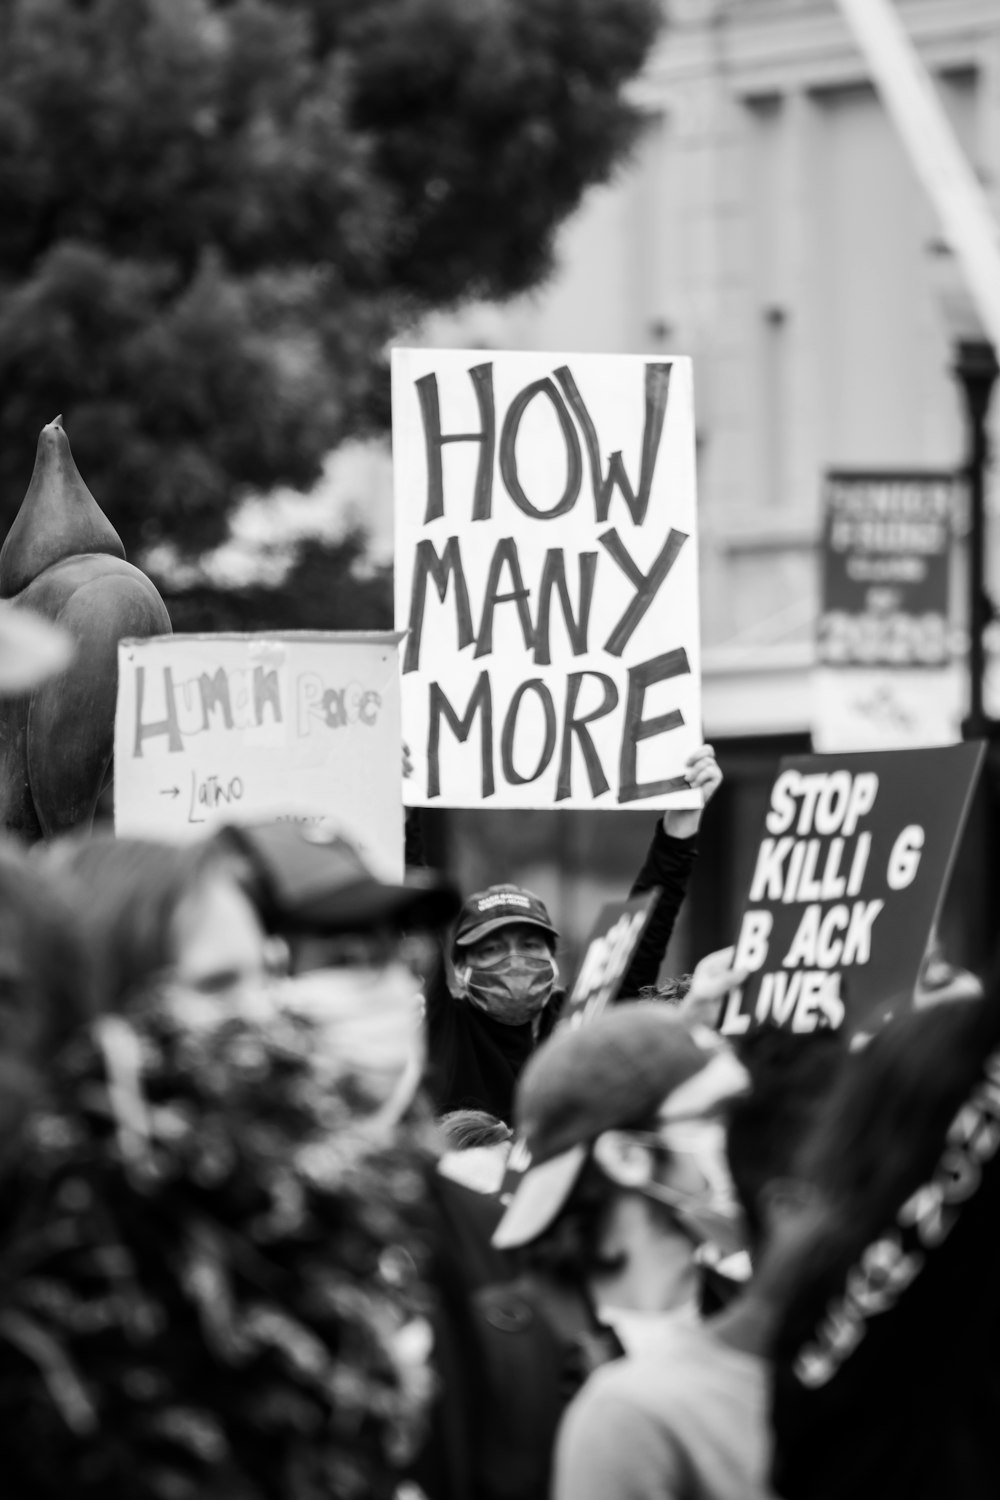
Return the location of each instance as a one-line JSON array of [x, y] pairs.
[[500, 906], [608, 1074], [311, 878]]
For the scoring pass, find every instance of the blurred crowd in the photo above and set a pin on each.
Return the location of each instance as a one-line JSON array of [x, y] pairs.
[[306, 1192]]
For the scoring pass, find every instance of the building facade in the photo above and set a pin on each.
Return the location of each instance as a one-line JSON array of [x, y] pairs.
[[771, 225]]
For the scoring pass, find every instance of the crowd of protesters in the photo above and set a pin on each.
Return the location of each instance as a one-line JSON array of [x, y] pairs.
[[305, 1193]]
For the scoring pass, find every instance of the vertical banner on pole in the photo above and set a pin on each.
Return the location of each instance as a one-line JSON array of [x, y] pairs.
[[885, 677], [547, 578]]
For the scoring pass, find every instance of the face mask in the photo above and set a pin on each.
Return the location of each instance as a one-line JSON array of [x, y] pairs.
[[710, 1211], [702, 1198], [513, 990], [371, 1025], [368, 1024]]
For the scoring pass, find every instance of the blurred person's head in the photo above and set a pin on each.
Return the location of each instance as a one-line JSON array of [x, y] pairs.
[[623, 1118], [468, 1129], [161, 913], [792, 1075], [314, 890], [46, 988], [477, 1146], [32, 649], [880, 1139], [503, 954], [356, 945]]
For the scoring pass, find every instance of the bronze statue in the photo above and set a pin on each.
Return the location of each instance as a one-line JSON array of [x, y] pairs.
[[63, 559]]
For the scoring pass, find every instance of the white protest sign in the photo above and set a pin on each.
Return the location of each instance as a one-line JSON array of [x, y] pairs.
[[547, 578], [212, 729]]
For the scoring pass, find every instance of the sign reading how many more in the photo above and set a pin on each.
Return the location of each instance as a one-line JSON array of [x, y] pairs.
[[851, 868], [547, 578], [212, 729]]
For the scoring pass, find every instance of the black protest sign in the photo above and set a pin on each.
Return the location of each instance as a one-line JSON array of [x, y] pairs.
[[886, 553], [546, 576], [851, 868], [610, 948]]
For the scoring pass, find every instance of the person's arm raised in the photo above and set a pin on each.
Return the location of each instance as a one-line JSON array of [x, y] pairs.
[[668, 865]]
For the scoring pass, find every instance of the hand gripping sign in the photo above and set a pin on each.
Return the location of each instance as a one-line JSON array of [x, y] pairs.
[[547, 578], [850, 871]]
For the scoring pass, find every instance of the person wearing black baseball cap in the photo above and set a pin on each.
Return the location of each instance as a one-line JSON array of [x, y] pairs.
[[622, 1120], [492, 1000], [349, 935], [498, 994]]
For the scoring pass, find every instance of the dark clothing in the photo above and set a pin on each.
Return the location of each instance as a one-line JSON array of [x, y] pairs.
[[668, 864], [541, 1339], [474, 1062], [464, 1262], [914, 1409]]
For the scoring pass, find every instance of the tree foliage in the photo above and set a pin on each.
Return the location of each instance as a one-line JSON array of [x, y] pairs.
[[327, 587], [216, 214]]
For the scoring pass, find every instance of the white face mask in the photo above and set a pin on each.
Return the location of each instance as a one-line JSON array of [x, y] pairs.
[[371, 1020], [702, 1194]]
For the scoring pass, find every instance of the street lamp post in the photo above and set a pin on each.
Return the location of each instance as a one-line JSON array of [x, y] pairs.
[[976, 368]]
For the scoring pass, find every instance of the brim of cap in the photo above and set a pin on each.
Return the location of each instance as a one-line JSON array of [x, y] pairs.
[[495, 923], [369, 903], [538, 1199], [32, 649]]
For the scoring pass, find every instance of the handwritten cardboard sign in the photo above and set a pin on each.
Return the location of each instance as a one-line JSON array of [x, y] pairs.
[[547, 578], [852, 865], [226, 728]]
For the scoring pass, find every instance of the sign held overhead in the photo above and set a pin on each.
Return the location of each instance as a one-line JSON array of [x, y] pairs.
[[850, 871], [546, 577]]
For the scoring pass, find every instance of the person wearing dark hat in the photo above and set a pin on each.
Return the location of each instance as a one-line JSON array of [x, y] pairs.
[[624, 1119], [498, 993], [314, 889], [485, 1011], [349, 936], [685, 1413], [622, 1122]]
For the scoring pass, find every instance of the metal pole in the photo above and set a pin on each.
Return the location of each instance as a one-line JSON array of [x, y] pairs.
[[976, 367]]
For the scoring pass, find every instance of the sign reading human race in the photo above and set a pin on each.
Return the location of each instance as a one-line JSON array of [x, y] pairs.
[[546, 578], [214, 729], [852, 864]]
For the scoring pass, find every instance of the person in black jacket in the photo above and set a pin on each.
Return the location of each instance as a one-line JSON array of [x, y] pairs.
[[345, 926], [497, 995], [887, 1380]]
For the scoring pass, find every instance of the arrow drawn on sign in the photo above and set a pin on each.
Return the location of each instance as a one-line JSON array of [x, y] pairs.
[[170, 791]]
